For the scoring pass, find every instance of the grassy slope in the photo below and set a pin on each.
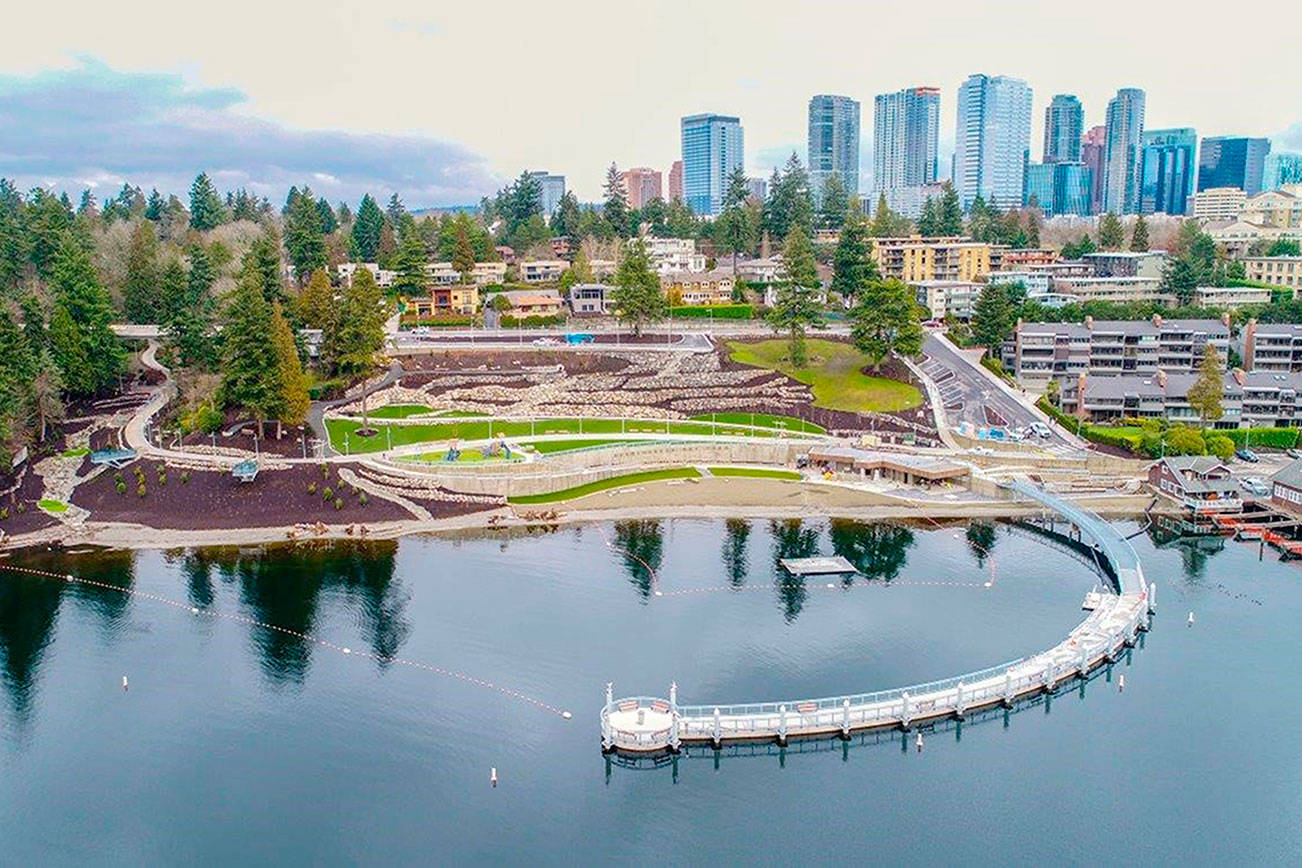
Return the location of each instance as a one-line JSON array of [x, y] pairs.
[[755, 472], [763, 420], [603, 484], [833, 375]]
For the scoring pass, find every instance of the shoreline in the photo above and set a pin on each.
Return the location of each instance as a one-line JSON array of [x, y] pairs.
[[748, 499]]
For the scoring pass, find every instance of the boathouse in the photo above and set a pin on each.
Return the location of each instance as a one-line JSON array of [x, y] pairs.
[[1199, 483], [1286, 487]]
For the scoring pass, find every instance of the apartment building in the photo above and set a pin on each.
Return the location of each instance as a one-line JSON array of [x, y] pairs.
[[1124, 263], [1255, 399], [1229, 297], [694, 289], [1285, 271], [946, 298], [916, 258], [1218, 203], [1118, 290], [1005, 258], [672, 255], [1235, 237], [1043, 351], [1275, 347], [542, 270], [1282, 207]]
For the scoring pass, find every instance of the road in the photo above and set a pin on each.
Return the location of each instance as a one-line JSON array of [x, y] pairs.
[[971, 396]]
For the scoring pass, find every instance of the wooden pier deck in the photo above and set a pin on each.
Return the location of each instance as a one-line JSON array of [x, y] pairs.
[[642, 724]]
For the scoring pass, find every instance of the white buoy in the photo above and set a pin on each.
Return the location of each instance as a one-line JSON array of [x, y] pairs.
[[348, 650], [1121, 683], [194, 610], [566, 715], [830, 585], [492, 776], [124, 684], [988, 584], [659, 593], [1191, 619], [918, 742]]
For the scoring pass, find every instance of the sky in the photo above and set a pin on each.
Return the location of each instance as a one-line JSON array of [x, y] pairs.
[[444, 103]]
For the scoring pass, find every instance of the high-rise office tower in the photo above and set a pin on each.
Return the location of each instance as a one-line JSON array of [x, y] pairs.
[[906, 132], [676, 181], [1063, 124], [641, 185], [1123, 157], [833, 143], [1167, 174], [1093, 148], [712, 149], [553, 189], [1232, 161], [1282, 168], [992, 139], [1059, 188]]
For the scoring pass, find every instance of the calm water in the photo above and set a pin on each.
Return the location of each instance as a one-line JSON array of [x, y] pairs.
[[240, 744]]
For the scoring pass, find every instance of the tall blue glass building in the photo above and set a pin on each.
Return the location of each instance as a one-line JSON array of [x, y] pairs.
[[1063, 126], [1060, 188], [906, 135], [992, 139], [1167, 176], [1282, 168], [1232, 161], [712, 149], [833, 143], [1122, 158], [1038, 189]]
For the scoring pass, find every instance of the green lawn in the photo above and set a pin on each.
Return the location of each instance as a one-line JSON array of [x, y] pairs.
[[755, 472], [52, 505], [399, 411], [546, 446], [76, 453], [603, 484], [833, 374], [763, 420]]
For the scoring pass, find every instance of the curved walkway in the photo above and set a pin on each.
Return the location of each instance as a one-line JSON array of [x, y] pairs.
[[645, 724]]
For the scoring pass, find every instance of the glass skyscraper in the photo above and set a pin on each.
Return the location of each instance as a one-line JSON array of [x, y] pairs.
[[1232, 161], [1167, 176], [992, 139], [553, 189], [1059, 188], [1063, 124], [1122, 159], [906, 133], [712, 149], [1038, 190], [1282, 168], [833, 143]]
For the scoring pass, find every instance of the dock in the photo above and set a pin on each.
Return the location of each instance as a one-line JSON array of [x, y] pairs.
[[817, 566], [647, 724]]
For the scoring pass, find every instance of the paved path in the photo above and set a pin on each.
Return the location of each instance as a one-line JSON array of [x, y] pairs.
[[316, 413]]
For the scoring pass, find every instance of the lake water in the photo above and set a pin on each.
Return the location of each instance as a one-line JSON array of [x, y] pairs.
[[237, 743]]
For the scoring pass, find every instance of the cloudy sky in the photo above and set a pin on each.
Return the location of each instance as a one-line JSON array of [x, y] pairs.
[[444, 102]]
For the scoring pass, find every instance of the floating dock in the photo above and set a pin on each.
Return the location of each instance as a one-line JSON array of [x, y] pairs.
[[817, 566], [646, 724]]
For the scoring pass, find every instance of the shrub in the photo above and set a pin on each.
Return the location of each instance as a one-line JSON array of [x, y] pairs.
[[362, 499], [339, 503], [4, 512], [326, 389], [1185, 441], [121, 487], [205, 417], [327, 493], [713, 311], [117, 477], [311, 488], [140, 489], [1221, 447], [20, 508], [1266, 438], [509, 322], [185, 476], [325, 469], [162, 479]]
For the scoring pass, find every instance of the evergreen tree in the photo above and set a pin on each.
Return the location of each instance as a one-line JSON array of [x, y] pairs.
[[463, 255], [1076, 249], [637, 297], [263, 260], [17, 368], [1111, 233], [46, 220], [206, 209], [993, 316], [93, 356], [304, 236], [835, 204], [733, 231], [171, 290], [615, 208], [316, 304], [191, 327], [140, 288], [1207, 391], [250, 367], [927, 224], [949, 216], [412, 278], [45, 394], [396, 212], [790, 201], [796, 308], [1139, 235], [326, 216], [154, 207], [567, 219], [852, 264], [291, 382], [358, 330], [366, 229], [886, 321], [888, 224]]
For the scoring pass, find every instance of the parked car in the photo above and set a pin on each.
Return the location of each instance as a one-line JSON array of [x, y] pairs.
[[1247, 455], [1255, 485], [546, 342], [1039, 429], [1293, 453]]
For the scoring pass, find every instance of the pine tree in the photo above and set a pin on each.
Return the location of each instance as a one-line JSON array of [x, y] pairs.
[[250, 369], [291, 382], [140, 288], [263, 259], [191, 327], [797, 307], [734, 232], [171, 290], [412, 278], [316, 304], [326, 216], [834, 203], [95, 357], [1139, 235], [887, 224], [463, 255], [886, 321], [637, 295], [852, 265], [615, 208], [206, 208], [949, 217], [1111, 234], [358, 330], [366, 229], [991, 317], [304, 236], [927, 225]]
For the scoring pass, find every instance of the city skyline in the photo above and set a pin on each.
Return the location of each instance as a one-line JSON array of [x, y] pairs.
[[451, 148]]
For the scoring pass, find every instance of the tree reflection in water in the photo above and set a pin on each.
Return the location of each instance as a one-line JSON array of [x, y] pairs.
[[791, 539], [735, 535], [876, 549], [641, 543], [981, 540]]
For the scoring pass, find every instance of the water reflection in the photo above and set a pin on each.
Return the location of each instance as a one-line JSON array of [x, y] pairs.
[[981, 540], [736, 532], [641, 542], [1195, 548], [791, 539], [877, 550]]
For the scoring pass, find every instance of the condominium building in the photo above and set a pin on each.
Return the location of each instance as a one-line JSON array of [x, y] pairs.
[[948, 298], [1232, 161], [641, 185], [1271, 346], [992, 139], [1229, 297], [553, 190], [1236, 236], [1218, 203], [676, 181], [1167, 173], [1117, 290], [906, 135], [1250, 399], [1281, 169], [833, 143], [916, 258], [712, 149], [1044, 351], [1093, 153], [1125, 263], [1063, 126], [1285, 271], [1122, 162], [698, 289], [672, 255], [1282, 207]]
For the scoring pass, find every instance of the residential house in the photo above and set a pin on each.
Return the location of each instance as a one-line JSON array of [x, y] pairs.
[[1286, 487], [534, 302], [1199, 483], [590, 299], [542, 270], [694, 289]]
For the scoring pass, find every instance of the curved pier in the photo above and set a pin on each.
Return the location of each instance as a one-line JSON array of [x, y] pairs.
[[640, 724]]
